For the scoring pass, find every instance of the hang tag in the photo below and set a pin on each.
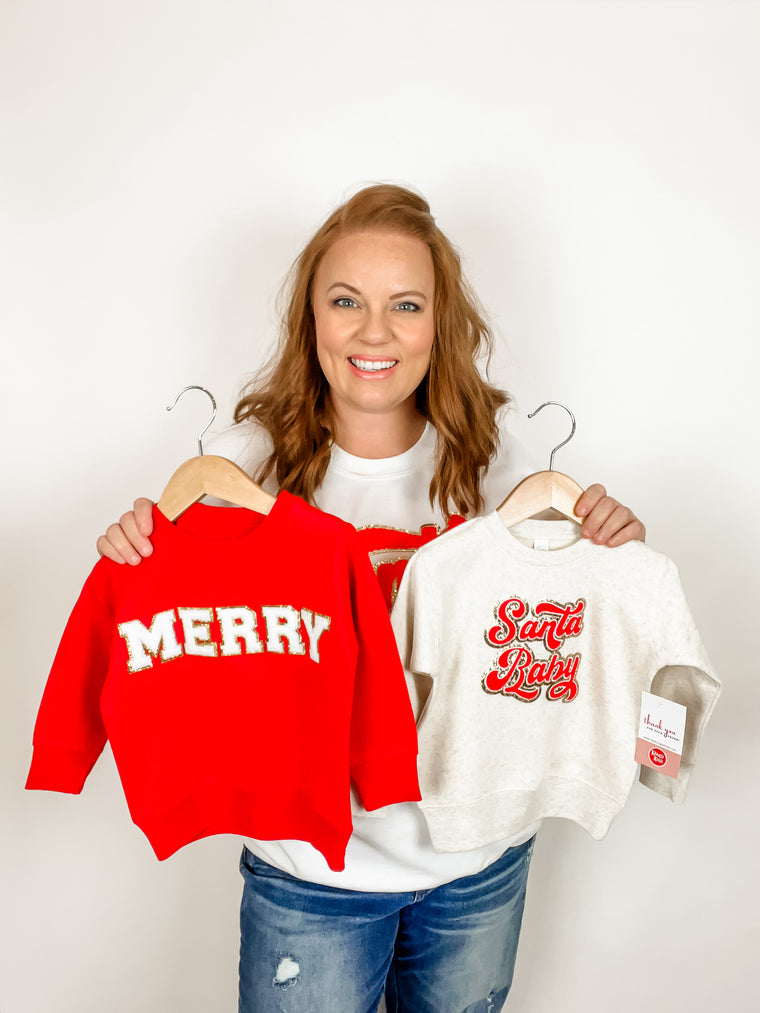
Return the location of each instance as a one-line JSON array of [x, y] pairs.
[[661, 730]]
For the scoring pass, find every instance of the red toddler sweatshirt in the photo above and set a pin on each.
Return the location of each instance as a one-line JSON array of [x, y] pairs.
[[244, 674]]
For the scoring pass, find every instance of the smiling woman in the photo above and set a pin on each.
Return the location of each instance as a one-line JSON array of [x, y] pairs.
[[374, 409]]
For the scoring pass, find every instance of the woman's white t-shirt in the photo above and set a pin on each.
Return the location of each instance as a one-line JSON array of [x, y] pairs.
[[387, 501]]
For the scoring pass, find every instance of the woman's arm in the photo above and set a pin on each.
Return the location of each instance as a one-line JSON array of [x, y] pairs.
[[606, 521], [129, 540]]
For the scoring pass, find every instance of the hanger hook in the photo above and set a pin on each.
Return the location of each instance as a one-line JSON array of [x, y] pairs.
[[194, 386], [572, 431]]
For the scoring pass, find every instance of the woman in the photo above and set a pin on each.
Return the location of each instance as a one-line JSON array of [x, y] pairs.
[[373, 408]]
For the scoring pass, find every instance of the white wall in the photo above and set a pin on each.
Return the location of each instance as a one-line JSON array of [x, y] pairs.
[[597, 163]]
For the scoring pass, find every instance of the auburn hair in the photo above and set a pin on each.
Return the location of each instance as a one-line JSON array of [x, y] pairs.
[[290, 397]]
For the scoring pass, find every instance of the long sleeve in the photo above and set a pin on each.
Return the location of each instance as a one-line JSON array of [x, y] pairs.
[[684, 675], [69, 735], [383, 733]]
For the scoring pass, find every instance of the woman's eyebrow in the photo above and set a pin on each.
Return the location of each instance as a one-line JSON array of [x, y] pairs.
[[396, 295], [343, 284]]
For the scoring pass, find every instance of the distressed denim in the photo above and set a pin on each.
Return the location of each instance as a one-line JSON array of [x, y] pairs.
[[307, 948]]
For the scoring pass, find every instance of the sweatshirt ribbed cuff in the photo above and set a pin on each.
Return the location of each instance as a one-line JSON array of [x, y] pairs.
[[388, 780], [55, 769]]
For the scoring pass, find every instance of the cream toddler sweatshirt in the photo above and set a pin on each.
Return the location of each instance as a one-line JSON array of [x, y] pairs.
[[526, 652]]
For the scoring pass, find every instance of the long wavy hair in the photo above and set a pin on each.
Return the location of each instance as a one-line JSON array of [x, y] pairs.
[[290, 397]]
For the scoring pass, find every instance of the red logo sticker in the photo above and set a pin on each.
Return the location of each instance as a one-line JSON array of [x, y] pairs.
[[657, 757]]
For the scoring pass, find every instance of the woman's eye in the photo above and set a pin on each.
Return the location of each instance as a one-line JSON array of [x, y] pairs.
[[408, 306], [345, 301]]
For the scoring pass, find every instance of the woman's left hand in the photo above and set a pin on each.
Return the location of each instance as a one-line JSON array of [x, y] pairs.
[[606, 521]]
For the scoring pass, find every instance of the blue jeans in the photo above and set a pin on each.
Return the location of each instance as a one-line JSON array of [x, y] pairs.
[[306, 948]]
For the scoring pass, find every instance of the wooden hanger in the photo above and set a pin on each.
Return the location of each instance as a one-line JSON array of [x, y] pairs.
[[212, 476], [543, 490], [209, 475]]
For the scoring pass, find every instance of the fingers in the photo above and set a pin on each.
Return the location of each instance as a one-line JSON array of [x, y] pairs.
[[608, 522], [635, 531], [129, 540], [589, 499], [144, 516]]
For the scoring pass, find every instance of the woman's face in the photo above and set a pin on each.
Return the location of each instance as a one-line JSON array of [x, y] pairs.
[[373, 309]]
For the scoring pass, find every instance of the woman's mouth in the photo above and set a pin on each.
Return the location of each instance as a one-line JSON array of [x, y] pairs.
[[372, 365]]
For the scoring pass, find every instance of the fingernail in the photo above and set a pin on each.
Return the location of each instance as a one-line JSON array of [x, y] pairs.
[[146, 550]]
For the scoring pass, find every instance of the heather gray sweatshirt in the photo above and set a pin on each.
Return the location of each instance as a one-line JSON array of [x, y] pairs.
[[526, 652]]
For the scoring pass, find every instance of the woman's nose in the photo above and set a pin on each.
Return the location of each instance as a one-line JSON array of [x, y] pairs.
[[376, 328]]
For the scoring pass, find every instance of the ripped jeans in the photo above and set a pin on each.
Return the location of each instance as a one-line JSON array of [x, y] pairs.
[[306, 948]]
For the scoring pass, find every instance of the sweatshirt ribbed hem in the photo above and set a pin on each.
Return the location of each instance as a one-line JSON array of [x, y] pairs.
[[460, 826], [282, 813]]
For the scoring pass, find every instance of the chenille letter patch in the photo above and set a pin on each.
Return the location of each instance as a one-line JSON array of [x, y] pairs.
[[533, 650]]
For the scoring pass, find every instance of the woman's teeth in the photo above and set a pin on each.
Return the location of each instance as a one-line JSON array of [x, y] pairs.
[[372, 366]]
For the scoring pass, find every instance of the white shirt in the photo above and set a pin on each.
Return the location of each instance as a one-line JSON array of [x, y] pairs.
[[387, 500]]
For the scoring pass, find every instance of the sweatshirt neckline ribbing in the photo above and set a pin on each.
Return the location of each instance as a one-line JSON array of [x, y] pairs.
[[543, 531], [216, 525]]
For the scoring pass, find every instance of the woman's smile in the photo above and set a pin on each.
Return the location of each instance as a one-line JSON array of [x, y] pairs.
[[372, 365]]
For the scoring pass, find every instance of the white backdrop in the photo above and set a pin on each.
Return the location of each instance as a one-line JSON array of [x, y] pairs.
[[597, 163]]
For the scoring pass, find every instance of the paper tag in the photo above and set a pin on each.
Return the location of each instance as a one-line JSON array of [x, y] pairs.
[[661, 730]]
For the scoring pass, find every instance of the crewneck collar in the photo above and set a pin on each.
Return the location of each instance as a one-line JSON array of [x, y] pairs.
[[215, 524], [349, 464], [561, 540]]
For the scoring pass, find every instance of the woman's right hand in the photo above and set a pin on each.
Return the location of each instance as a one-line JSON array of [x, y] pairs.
[[129, 540]]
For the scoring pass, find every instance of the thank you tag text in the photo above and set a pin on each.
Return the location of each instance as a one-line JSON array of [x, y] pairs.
[[661, 731]]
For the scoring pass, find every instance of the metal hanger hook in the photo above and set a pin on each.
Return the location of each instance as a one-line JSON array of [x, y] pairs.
[[572, 431], [194, 386]]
